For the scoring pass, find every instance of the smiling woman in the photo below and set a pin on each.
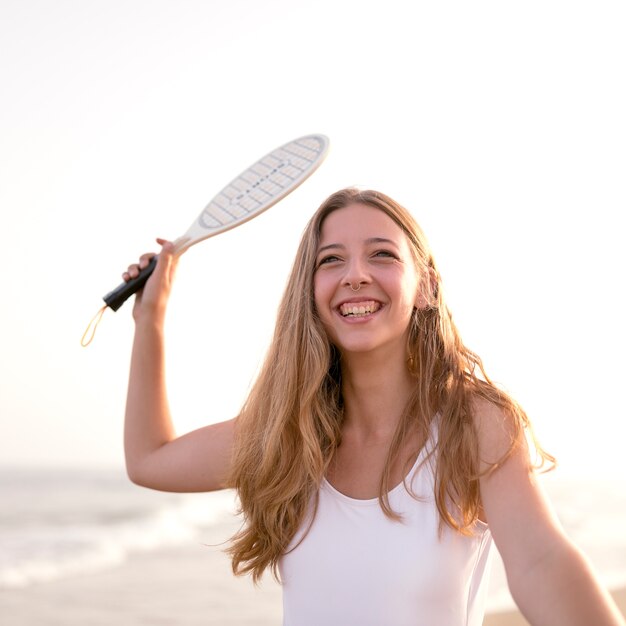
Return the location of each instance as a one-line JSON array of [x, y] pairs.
[[361, 246], [374, 460]]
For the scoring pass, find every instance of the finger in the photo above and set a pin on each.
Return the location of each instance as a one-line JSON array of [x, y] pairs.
[[167, 246], [145, 258], [131, 272], [166, 256], [167, 260]]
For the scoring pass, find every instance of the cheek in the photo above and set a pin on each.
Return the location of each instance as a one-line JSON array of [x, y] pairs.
[[323, 291], [414, 293], [404, 289], [321, 295]]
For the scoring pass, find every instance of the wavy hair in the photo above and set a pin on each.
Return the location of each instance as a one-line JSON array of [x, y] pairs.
[[290, 425]]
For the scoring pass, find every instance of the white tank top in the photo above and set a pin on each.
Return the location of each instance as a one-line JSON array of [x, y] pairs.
[[358, 567]]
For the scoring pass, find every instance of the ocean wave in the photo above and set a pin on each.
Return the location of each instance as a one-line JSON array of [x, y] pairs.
[[60, 524], [42, 551]]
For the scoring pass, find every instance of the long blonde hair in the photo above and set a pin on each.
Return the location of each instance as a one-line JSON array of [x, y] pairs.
[[290, 425]]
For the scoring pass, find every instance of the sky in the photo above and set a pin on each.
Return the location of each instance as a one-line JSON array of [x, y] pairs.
[[499, 125]]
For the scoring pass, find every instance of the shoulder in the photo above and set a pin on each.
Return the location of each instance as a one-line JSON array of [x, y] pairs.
[[500, 429], [511, 495]]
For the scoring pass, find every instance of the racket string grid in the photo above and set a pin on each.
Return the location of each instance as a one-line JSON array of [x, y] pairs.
[[266, 180]]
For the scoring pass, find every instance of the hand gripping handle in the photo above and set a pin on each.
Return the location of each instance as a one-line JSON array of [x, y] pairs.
[[114, 299]]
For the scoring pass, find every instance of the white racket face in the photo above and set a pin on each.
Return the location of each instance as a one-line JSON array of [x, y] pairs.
[[257, 189]]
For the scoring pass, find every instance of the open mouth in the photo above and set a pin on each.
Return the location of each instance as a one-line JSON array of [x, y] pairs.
[[359, 309]]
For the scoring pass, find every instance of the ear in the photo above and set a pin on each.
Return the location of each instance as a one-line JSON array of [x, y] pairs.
[[421, 302], [427, 291]]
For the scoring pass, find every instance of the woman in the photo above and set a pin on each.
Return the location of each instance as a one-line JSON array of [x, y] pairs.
[[373, 459]]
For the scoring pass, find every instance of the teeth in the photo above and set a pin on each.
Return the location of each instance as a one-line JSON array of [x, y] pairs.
[[359, 308]]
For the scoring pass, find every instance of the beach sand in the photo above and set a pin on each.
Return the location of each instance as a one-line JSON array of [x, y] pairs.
[[190, 585], [182, 586], [178, 587]]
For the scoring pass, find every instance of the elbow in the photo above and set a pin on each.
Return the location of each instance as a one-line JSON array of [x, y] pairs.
[[135, 475]]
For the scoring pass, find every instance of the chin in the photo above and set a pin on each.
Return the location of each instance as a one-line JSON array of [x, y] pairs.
[[359, 347]]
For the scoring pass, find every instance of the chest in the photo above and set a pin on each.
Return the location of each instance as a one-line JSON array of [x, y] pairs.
[[356, 469], [355, 556]]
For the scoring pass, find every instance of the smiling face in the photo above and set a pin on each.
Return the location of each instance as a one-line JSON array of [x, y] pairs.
[[361, 245]]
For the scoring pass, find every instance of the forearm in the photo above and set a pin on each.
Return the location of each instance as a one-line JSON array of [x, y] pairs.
[[148, 424], [561, 589]]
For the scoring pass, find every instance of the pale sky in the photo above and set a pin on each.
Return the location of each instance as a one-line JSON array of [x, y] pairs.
[[499, 125]]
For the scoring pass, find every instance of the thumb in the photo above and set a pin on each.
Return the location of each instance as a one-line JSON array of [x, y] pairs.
[[167, 262]]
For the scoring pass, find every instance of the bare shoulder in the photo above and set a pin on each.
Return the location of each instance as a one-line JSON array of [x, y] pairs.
[[548, 576], [521, 519], [500, 433]]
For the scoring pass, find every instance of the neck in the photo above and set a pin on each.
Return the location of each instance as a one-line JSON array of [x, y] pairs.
[[375, 392]]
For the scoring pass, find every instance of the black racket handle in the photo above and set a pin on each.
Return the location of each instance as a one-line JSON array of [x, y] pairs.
[[114, 299]]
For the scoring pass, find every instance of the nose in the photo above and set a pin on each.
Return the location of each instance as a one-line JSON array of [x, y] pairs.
[[356, 275]]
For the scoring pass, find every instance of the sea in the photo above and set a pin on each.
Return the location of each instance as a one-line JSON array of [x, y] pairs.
[[56, 523]]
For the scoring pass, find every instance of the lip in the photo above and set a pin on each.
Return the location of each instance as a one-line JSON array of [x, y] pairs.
[[358, 300]]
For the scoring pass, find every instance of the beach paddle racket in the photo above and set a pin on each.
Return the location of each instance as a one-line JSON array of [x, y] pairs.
[[255, 190]]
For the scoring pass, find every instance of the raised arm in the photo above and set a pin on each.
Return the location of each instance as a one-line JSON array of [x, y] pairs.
[[549, 578], [155, 456]]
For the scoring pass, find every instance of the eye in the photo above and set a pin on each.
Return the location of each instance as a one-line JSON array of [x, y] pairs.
[[385, 254], [331, 258]]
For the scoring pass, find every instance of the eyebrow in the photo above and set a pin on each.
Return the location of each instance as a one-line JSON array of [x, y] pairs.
[[371, 240]]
